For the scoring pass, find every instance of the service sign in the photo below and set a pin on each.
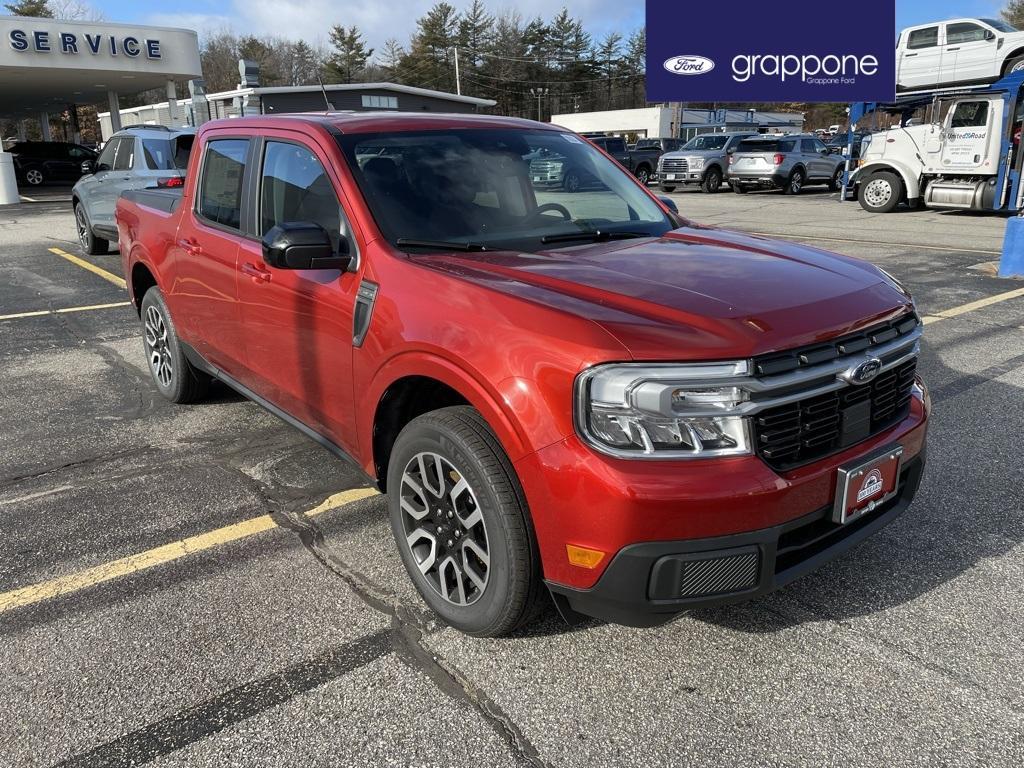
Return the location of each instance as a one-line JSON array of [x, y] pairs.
[[788, 50]]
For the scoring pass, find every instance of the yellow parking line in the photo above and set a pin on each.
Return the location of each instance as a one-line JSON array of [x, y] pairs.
[[63, 310], [109, 276], [74, 582], [973, 305]]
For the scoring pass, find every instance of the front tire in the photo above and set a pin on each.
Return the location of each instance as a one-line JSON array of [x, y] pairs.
[[668, 187], [880, 192], [795, 182], [92, 245], [712, 181], [174, 376], [571, 182], [461, 524], [836, 182]]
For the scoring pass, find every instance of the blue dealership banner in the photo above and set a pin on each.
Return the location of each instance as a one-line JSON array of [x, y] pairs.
[[787, 50]]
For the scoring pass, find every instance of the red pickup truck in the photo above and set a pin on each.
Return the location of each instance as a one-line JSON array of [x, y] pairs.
[[578, 391]]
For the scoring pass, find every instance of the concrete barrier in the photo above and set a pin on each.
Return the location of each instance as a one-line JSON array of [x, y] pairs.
[[1011, 264], [8, 181]]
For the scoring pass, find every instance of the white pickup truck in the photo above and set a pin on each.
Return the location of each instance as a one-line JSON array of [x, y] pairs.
[[944, 54], [962, 160]]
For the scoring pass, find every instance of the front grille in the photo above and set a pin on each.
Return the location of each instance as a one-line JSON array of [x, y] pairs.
[[675, 165], [806, 430]]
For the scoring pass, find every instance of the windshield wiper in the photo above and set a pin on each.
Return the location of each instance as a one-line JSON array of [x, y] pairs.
[[594, 235], [439, 245]]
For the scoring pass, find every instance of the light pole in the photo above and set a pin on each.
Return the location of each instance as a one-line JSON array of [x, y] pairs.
[[540, 93]]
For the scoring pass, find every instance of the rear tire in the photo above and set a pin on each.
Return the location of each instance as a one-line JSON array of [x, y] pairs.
[[174, 376], [880, 192], [795, 182], [461, 523], [92, 245], [712, 181], [643, 175]]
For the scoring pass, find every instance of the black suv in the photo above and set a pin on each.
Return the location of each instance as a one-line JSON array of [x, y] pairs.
[[36, 162]]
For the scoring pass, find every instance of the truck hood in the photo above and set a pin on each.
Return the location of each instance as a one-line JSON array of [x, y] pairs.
[[693, 153], [695, 293]]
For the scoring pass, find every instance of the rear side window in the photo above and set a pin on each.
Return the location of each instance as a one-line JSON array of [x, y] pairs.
[[923, 38], [615, 145], [167, 154], [807, 145], [220, 188], [294, 188]]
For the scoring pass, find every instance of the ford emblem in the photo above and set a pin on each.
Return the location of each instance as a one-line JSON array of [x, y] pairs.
[[863, 372], [689, 65]]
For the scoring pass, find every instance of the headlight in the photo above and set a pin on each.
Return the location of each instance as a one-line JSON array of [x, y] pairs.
[[696, 163], [663, 411]]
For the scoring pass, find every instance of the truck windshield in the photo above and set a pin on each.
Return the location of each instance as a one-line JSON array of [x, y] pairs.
[[492, 189], [707, 142], [1002, 26]]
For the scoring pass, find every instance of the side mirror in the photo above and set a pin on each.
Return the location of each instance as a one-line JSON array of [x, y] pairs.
[[304, 245], [88, 166], [730, 150], [990, 35], [669, 203]]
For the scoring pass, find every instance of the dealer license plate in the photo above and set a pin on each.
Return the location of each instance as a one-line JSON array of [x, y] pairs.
[[670, 175], [861, 487]]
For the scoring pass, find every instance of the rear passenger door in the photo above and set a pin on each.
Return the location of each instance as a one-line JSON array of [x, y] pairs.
[[299, 323], [203, 294]]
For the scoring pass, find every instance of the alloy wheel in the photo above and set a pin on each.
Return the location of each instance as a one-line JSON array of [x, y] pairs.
[[157, 347], [83, 227], [643, 176], [444, 528], [34, 177], [877, 192], [1018, 66], [796, 182]]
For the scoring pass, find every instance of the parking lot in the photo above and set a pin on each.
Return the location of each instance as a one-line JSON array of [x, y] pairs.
[[204, 586]]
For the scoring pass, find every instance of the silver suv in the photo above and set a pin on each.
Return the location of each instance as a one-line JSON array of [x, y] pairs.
[[702, 160], [135, 158], [788, 162]]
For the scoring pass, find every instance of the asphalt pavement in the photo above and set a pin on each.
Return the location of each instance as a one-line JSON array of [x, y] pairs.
[[203, 586]]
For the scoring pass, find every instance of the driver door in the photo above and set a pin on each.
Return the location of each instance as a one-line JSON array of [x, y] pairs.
[[298, 323]]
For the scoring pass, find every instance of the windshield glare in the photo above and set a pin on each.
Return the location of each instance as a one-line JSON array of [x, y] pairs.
[[707, 142], [496, 188], [1002, 26]]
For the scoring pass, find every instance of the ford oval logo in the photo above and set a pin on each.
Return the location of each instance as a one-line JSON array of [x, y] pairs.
[[863, 372], [689, 65]]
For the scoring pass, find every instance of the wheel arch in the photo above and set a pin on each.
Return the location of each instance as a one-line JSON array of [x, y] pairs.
[[1016, 52], [911, 183], [143, 277], [414, 384]]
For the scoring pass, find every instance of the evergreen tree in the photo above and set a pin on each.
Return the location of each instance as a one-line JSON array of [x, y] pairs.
[[350, 54], [266, 54], [32, 8]]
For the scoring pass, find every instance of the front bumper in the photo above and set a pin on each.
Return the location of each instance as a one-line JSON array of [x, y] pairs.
[[650, 583]]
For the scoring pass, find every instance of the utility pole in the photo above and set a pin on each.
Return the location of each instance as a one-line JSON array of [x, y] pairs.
[[458, 80], [540, 93]]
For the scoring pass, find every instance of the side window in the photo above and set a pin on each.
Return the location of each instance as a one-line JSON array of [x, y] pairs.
[[105, 162], [220, 186], [970, 114], [78, 153], [964, 33], [923, 38], [787, 146], [807, 146], [125, 155], [819, 146], [295, 187]]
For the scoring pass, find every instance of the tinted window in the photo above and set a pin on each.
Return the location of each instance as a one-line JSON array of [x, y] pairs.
[[79, 153], [106, 158], [167, 154], [220, 193], [294, 187], [767, 145], [923, 38], [615, 145], [125, 155], [970, 114], [807, 145], [963, 32]]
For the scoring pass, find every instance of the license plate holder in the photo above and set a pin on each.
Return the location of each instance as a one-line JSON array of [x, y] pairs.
[[862, 485]]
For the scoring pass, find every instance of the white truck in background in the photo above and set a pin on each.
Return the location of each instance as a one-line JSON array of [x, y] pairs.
[[965, 158]]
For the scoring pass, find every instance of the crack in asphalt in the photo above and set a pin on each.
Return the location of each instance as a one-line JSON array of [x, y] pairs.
[[409, 626]]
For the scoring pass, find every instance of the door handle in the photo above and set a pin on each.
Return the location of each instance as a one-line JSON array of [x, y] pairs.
[[908, 55], [953, 49], [191, 247], [258, 274]]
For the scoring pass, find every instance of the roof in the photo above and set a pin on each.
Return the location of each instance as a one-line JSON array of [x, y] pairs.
[[370, 122], [397, 88], [155, 131]]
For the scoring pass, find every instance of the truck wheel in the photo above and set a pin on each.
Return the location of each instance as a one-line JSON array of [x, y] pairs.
[[91, 244], [668, 187], [1016, 65], [175, 377], [836, 182], [880, 192], [571, 181], [795, 183], [643, 174], [461, 524], [712, 181]]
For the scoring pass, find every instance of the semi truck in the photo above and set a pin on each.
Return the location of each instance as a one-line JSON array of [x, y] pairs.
[[964, 155]]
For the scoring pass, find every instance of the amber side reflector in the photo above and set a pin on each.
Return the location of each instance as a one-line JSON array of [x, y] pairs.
[[583, 557]]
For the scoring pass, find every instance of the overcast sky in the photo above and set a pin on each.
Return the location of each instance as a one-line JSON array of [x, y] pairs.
[[381, 19]]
